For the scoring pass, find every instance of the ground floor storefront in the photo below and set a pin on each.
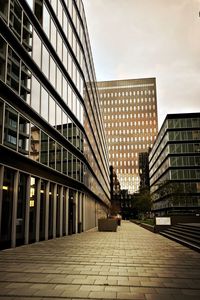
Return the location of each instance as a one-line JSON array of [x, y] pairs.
[[33, 208]]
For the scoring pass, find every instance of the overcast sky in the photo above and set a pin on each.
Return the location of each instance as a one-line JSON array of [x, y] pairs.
[[149, 38]]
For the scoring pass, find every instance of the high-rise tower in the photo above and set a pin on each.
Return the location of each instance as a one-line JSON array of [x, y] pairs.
[[130, 115]]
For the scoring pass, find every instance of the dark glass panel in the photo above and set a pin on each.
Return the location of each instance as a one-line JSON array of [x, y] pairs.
[[52, 146], [42, 209], [7, 204], [10, 127], [24, 132], [21, 209], [2, 58]]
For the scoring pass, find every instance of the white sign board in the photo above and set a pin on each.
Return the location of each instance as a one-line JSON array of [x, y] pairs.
[[163, 221]]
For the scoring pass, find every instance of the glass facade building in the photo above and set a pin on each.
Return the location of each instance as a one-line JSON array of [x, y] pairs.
[[130, 115], [174, 164], [54, 170]]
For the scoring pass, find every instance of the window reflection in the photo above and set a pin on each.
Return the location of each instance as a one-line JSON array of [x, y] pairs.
[[37, 49], [52, 72], [13, 70], [24, 131], [52, 148], [58, 157], [25, 87], [44, 103], [27, 34], [45, 61], [10, 127], [35, 143], [44, 148], [46, 20], [65, 161], [35, 94], [52, 112], [59, 118]]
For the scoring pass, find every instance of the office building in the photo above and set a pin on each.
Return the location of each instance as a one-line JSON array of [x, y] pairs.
[[174, 163], [54, 170], [130, 115]]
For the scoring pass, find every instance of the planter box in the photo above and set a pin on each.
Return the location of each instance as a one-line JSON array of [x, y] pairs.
[[107, 225]]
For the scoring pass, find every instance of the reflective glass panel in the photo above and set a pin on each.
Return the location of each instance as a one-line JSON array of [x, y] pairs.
[[52, 146], [2, 58], [37, 49], [35, 94], [10, 127], [52, 112], [24, 135], [58, 157], [44, 148], [35, 143], [44, 104], [45, 61]]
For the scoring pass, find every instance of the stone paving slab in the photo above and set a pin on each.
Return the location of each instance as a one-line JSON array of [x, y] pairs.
[[132, 263]]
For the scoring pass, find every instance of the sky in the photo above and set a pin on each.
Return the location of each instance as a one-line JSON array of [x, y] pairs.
[[149, 38]]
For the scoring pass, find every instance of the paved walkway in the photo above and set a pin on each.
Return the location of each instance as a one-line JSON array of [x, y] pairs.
[[132, 263]]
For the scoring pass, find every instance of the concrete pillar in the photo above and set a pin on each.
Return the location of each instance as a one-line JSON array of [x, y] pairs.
[[54, 209], [61, 211], [1, 192], [38, 189], [27, 212], [84, 216], [14, 209], [76, 214], [47, 211], [67, 211]]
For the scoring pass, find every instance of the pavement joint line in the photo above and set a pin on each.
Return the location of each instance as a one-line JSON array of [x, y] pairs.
[[112, 275], [108, 264], [110, 285]]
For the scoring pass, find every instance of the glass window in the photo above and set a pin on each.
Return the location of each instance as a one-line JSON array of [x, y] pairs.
[[52, 148], [35, 94], [45, 61], [58, 118], [1, 120], [44, 148], [4, 9], [58, 157], [44, 104], [16, 19], [59, 82], [13, 70], [59, 45], [65, 90], [7, 203], [70, 169], [65, 161], [3, 48], [65, 125], [52, 111], [25, 86], [37, 49], [53, 34], [39, 10], [35, 143], [24, 132], [52, 72], [10, 127], [46, 21]]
